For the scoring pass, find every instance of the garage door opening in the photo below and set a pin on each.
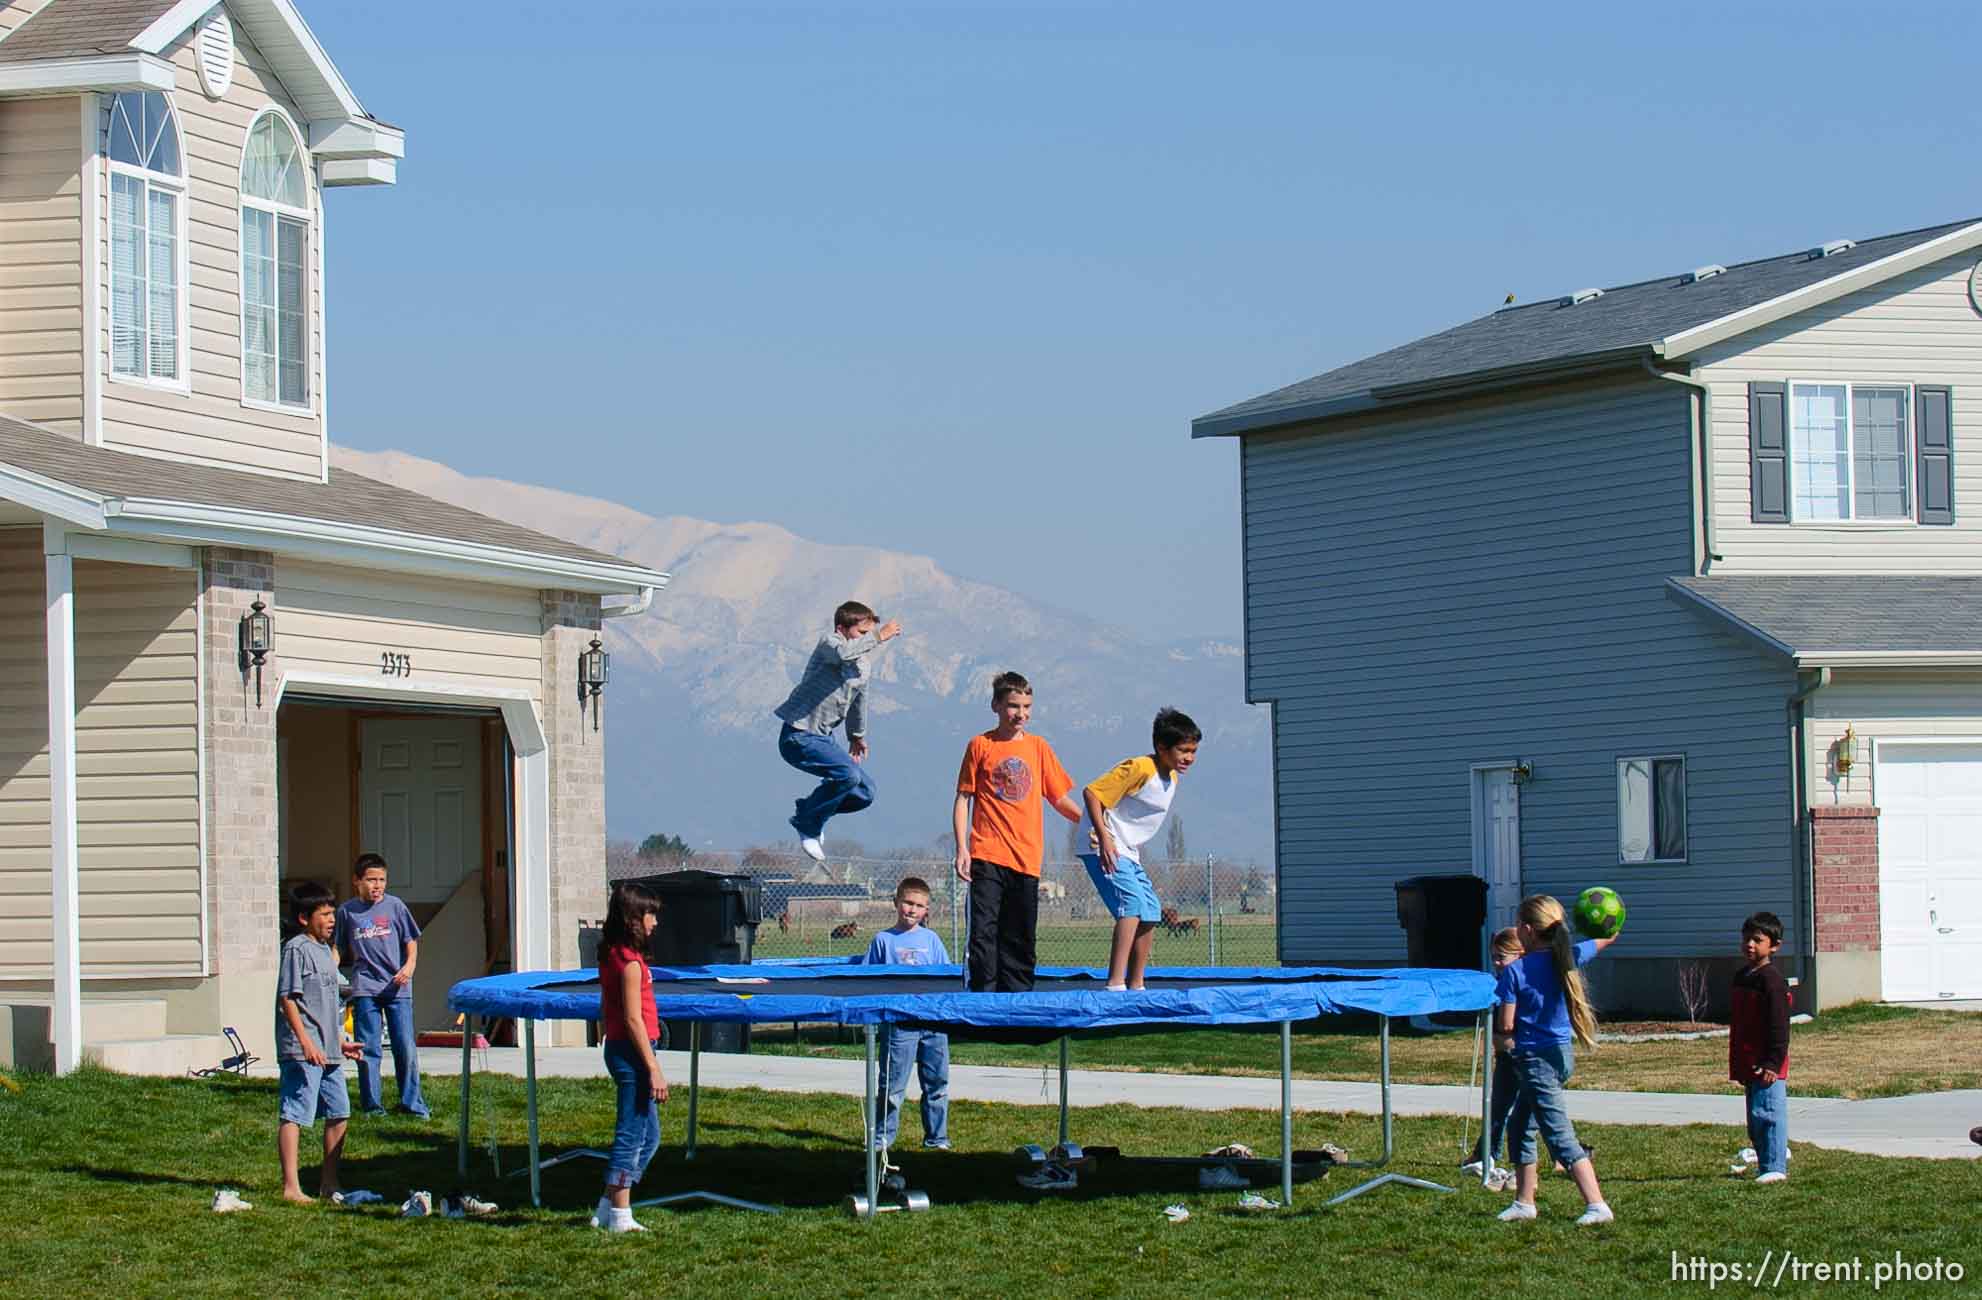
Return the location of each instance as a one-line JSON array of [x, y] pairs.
[[429, 788]]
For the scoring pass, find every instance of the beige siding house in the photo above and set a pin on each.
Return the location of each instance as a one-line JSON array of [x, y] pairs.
[[165, 485]]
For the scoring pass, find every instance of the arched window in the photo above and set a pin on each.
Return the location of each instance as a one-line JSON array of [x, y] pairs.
[[275, 260], [147, 238]]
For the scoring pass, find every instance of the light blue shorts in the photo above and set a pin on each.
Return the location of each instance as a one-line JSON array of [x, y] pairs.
[[312, 1090], [1128, 892]]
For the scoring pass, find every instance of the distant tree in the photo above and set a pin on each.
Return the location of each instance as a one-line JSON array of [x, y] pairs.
[[661, 847], [1174, 843]]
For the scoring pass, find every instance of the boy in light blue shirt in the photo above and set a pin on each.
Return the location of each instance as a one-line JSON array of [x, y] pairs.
[[909, 943], [380, 940]]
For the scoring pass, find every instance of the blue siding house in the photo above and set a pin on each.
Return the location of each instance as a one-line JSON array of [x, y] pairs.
[[1674, 587]]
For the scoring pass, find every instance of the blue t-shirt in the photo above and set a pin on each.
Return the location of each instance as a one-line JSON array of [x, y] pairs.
[[921, 946], [1541, 1011], [374, 937]]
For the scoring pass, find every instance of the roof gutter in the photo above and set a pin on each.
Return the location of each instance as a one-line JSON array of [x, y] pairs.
[[338, 542], [639, 605], [1393, 396], [106, 72], [1803, 867], [1702, 443]]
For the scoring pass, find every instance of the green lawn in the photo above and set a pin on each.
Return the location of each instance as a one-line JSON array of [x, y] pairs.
[[1864, 1050], [108, 1178]]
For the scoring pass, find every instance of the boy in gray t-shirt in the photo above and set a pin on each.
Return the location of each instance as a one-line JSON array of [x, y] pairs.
[[309, 1042]]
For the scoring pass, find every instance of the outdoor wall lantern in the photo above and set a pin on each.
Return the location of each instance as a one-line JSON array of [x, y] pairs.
[[257, 639], [594, 667], [1524, 772], [1847, 751]]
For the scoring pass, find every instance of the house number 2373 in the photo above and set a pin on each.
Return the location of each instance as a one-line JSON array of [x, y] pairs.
[[395, 665]]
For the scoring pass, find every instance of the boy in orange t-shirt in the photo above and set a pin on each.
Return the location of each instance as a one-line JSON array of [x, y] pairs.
[[1000, 840]]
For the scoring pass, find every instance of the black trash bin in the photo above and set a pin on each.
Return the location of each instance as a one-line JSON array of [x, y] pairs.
[[707, 919], [1442, 917]]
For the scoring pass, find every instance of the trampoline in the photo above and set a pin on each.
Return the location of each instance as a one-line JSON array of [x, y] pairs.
[[1065, 1001]]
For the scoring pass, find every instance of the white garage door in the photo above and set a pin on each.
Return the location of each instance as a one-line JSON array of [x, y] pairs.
[[1930, 870]]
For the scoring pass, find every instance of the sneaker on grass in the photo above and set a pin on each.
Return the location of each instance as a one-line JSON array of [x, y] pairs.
[[1050, 1178], [1500, 1180], [1773, 1176]]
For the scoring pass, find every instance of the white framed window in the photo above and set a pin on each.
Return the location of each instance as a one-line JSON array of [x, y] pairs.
[[1651, 808], [1851, 452], [275, 267], [147, 241]]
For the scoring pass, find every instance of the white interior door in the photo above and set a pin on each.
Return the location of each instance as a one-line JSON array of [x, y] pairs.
[[1930, 870], [420, 801], [1497, 843]]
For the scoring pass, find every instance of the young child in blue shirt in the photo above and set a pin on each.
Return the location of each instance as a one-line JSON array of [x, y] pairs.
[[910, 943], [1506, 949], [1544, 1006], [380, 941]]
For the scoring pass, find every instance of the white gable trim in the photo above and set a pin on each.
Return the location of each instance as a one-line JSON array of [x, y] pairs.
[[356, 139], [1690, 341], [279, 31], [111, 72]]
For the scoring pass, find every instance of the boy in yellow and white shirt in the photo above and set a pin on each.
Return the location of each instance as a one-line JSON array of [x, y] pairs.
[[1125, 807]]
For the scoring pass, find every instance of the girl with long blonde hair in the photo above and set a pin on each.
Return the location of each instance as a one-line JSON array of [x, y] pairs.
[[1546, 1010]]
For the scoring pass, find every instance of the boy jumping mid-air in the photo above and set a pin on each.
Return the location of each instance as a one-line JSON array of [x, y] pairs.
[[832, 690]]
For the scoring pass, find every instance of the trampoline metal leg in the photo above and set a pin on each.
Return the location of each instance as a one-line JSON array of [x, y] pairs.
[[868, 1103], [1287, 1113], [1486, 1098], [1389, 1146], [1063, 1091], [694, 1084], [530, 1092], [467, 1065]]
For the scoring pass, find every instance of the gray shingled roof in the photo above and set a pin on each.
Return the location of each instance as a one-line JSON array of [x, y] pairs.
[[347, 498], [1814, 617], [1620, 325], [78, 29]]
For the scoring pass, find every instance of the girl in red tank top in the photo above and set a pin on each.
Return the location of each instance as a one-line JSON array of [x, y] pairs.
[[631, 1028]]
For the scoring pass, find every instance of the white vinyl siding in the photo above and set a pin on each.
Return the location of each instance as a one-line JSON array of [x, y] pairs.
[[41, 258], [213, 424], [1880, 705], [338, 620], [137, 767], [1917, 328]]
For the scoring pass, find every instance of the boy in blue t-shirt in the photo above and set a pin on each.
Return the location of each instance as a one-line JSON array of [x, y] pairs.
[[909, 943], [380, 941]]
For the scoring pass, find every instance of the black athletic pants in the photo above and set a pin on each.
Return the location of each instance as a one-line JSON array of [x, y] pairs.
[[1004, 928]]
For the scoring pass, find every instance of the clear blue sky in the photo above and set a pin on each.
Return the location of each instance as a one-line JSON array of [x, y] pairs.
[[954, 279]]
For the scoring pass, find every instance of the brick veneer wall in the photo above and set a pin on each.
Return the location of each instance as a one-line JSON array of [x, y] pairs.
[[242, 885], [1845, 846], [577, 773]]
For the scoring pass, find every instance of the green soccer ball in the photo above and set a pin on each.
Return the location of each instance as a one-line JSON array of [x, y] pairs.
[[1599, 913]]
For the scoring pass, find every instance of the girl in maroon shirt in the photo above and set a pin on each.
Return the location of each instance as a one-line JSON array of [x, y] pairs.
[[632, 1028]]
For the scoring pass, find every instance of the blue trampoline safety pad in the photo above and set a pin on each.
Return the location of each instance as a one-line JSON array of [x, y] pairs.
[[1063, 997]]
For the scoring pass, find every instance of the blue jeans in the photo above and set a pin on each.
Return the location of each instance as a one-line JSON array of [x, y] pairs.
[[1506, 1083], [844, 785], [636, 1130], [395, 1009], [1538, 1104], [929, 1054], [1768, 1125]]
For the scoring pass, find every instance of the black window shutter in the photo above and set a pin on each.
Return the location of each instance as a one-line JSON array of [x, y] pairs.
[[1768, 453], [1934, 454]]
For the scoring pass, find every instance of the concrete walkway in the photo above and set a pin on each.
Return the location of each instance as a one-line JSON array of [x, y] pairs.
[[1933, 1124]]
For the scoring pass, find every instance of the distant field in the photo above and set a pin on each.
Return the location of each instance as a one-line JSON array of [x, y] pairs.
[[1241, 941]]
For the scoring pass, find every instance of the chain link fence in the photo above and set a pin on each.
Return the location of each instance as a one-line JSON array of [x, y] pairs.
[[1215, 913]]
